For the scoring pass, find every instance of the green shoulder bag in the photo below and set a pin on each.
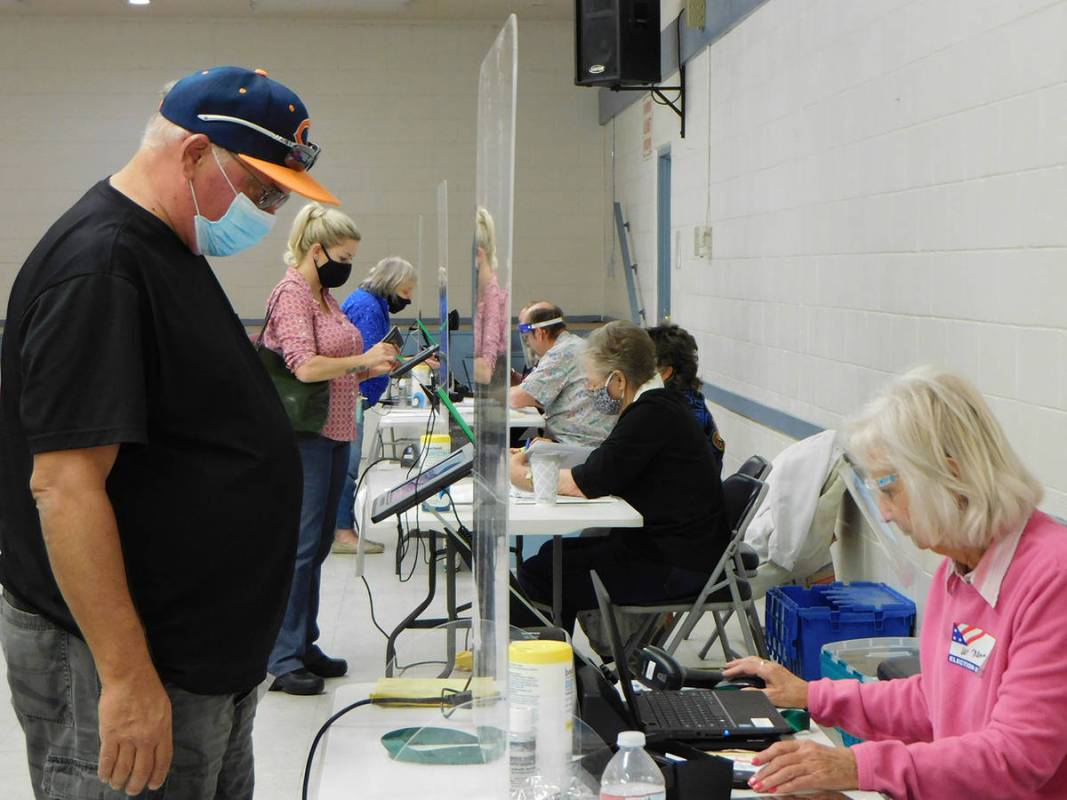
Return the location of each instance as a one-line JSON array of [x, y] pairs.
[[306, 404]]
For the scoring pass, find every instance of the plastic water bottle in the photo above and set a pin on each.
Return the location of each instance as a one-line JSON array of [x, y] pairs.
[[631, 773], [522, 752]]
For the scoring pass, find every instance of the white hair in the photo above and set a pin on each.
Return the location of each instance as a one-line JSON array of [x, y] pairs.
[[965, 484], [388, 275], [160, 131]]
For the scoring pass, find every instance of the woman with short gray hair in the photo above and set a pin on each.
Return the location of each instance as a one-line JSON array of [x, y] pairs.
[[392, 278], [387, 290], [987, 715], [657, 459]]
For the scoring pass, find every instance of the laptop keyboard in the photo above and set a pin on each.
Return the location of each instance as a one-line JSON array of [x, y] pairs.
[[685, 711]]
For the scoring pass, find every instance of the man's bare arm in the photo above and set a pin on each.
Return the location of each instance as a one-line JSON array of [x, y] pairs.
[[81, 535]]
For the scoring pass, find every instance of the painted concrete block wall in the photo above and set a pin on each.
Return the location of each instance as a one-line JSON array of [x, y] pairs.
[[887, 185], [393, 106]]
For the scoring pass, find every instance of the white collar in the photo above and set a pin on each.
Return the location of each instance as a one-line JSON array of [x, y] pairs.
[[655, 382], [988, 575]]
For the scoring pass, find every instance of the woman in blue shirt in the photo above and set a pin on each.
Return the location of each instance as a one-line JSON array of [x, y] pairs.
[[387, 290]]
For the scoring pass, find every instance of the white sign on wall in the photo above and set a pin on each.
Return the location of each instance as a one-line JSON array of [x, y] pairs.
[[646, 127]]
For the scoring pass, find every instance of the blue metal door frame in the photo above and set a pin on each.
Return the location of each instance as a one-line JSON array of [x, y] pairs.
[[663, 236]]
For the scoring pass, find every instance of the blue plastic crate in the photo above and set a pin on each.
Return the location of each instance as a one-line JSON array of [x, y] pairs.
[[800, 621]]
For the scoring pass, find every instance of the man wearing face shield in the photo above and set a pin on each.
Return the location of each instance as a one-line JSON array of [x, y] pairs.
[[144, 454], [557, 384]]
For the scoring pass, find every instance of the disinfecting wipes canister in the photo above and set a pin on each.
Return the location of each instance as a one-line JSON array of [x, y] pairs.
[[541, 677]]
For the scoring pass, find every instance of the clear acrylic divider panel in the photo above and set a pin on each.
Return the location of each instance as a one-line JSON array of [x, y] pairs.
[[444, 374], [492, 266]]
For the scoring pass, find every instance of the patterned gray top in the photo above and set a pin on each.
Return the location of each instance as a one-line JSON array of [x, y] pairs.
[[558, 384]]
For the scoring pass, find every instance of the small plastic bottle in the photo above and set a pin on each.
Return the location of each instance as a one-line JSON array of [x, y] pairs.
[[632, 774], [522, 751]]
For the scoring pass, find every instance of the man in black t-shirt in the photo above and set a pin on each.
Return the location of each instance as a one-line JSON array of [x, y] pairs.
[[144, 456]]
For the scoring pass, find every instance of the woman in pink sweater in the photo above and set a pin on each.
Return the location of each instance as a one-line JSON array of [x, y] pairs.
[[987, 716]]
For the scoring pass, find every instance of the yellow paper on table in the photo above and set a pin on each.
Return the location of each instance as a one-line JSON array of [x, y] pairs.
[[427, 691]]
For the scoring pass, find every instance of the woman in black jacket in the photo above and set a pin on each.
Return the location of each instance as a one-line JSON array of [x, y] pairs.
[[657, 459]]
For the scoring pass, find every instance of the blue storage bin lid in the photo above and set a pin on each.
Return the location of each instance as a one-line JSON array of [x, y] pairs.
[[845, 597]]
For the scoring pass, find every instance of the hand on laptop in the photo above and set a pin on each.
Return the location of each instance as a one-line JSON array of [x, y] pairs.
[[784, 689]]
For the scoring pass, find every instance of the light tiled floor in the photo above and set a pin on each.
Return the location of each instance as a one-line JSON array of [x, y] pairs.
[[285, 725]]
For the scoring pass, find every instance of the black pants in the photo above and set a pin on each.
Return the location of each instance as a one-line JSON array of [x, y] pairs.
[[627, 580]]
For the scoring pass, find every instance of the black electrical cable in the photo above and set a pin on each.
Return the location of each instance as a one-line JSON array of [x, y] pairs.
[[402, 668], [419, 463], [442, 701], [370, 598]]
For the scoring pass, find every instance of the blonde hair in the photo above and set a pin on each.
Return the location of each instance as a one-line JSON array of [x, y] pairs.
[[965, 484], [622, 346], [388, 275], [318, 224], [485, 234]]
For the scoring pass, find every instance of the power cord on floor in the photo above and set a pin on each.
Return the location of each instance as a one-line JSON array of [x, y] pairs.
[[370, 598], [444, 701]]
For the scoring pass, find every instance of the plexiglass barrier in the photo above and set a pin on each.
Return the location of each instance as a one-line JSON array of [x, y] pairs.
[[444, 372], [494, 188]]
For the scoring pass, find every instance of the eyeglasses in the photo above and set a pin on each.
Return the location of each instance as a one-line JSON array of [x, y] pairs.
[[300, 157], [271, 198], [529, 327], [881, 484]]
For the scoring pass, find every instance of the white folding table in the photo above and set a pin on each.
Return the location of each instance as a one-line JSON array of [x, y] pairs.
[[353, 756], [569, 515]]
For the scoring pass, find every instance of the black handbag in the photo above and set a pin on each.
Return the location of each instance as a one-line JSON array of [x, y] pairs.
[[306, 404]]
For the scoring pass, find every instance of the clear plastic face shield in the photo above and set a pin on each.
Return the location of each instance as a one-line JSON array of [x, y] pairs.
[[526, 329]]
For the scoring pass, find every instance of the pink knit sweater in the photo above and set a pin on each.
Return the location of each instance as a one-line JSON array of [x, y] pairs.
[[996, 734]]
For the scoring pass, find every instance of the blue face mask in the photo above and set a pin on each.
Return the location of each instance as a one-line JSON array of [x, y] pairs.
[[604, 402], [242, 226]]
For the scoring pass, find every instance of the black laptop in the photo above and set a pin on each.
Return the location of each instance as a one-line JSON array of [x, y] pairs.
[[733, 718]]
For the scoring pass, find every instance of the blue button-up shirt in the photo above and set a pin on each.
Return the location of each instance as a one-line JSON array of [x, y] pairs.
[[369, 313]]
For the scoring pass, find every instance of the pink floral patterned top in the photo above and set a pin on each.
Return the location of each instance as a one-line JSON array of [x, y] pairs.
[[299, 329], [491, 334]]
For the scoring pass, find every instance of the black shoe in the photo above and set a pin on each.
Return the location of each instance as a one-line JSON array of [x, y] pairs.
[[299, 681], [324, 666]]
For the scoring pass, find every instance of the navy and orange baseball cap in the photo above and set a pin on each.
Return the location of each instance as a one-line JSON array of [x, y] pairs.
[[253, 116]]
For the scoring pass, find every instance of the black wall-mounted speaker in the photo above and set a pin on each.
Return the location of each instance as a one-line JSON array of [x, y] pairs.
[[616, 42]]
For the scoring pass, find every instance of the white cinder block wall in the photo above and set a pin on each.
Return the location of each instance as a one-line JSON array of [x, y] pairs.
[[887, 185], [393, 106]]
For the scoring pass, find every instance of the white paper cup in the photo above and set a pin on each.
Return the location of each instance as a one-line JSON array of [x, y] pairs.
[[545, 471]]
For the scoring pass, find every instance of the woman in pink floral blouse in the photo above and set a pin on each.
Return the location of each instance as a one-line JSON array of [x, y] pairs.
[[306, 325], [492, 335]]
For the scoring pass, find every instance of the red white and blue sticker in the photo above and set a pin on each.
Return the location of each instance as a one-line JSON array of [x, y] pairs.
[[970, 646]]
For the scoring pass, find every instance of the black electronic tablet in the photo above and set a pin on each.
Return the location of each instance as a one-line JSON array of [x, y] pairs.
[[414, 361], [394, 337], [426, 484]]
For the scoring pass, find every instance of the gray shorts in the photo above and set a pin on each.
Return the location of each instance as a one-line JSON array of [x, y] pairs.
[[55, 691]]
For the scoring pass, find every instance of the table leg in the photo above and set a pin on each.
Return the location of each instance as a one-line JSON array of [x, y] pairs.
[[450, 602], [412, 619]]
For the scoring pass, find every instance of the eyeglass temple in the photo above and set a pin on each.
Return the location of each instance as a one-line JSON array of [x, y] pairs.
[[253, 126]]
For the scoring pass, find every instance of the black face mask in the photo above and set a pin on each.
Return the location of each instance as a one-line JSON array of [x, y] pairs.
[[333, 273], [397, 303]]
